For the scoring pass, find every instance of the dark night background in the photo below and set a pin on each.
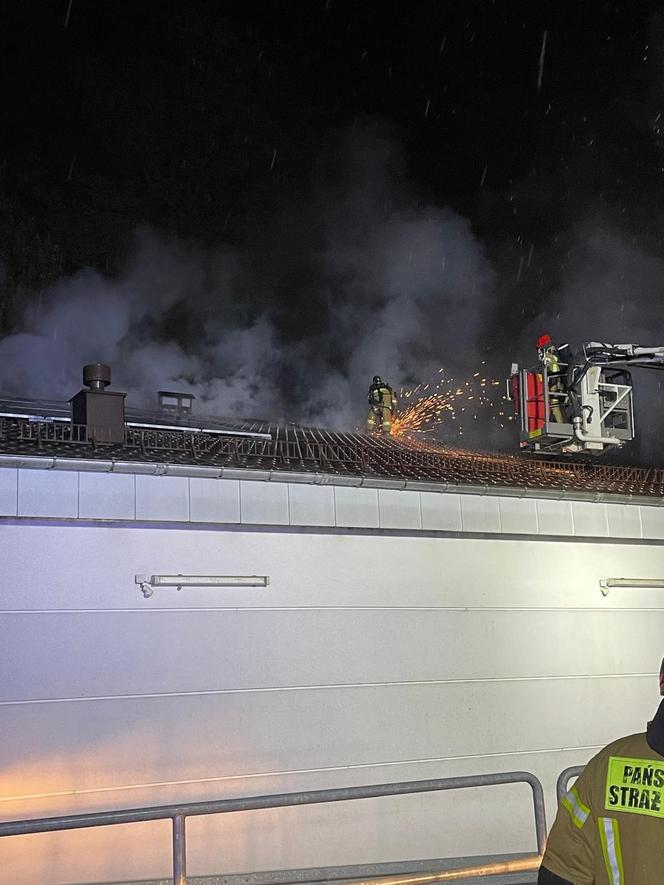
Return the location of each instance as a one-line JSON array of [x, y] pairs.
[[252, 151]]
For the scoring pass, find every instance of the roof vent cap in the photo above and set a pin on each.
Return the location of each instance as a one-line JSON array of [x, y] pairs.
[[96, 376]]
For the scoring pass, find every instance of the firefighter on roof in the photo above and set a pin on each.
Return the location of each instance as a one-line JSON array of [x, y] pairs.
[[382, 406], [609, 829]]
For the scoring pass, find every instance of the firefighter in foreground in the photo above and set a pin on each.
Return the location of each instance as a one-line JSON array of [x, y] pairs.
[[382, 407], [610, 825]]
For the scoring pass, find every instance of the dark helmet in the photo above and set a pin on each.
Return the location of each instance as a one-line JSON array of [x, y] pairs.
[[377, 379]]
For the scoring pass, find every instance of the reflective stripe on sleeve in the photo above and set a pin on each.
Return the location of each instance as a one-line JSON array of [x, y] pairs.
[[578, 811], [610, 839]]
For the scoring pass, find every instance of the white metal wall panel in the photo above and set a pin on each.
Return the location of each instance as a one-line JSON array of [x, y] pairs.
[[368, 658], [8, 491], [470, 646], [313, 569], [624, 520], [518, 516], [590, 519], [47, 493], [555, 517], [347, 833], [180, 499], [399, 509], [340, 833], [127, 742], [106, 496], [356, 507], [652, 522], [311, 505], [162, 498], [111, 747], [87, 855], [216, 500], [480, 513], [264, 503], [441, 512]]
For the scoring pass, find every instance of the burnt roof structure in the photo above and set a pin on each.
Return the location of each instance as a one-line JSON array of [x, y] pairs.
[[33, 429]]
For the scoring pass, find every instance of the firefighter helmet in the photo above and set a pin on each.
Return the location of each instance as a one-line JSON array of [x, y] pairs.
[[377, 379]]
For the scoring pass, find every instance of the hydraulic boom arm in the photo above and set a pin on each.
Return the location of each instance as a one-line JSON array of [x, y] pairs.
[[599, 353]]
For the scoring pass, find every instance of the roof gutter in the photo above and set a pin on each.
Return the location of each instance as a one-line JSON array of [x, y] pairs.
[[154, 468]]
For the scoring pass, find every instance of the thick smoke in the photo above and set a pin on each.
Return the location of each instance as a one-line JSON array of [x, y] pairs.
[[356, 277], [353, 279], [610, 290]]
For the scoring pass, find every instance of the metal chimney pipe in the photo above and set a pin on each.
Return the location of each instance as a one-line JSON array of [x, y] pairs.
[[96, 376]]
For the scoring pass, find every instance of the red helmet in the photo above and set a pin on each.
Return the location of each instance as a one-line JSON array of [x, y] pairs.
[[544, 340]]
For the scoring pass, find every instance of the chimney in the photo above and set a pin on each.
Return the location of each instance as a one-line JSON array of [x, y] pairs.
[[99, 410]]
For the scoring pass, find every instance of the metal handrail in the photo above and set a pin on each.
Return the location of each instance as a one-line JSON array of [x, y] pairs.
[[178, 813], [564, 778]]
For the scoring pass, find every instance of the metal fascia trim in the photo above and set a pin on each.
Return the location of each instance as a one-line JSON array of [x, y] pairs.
[[420, 485], [150, 468], [27, 462], [201, 472], [340, 480], [140, 468], [373, 482], [83, 465], [242, 473], [295, 477]]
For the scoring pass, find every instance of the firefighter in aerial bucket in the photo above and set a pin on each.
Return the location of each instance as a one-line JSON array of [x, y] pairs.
[[382, 407], [548, 356]]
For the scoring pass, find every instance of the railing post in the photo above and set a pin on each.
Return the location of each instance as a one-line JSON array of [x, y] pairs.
[[179, 850], [564, 778]]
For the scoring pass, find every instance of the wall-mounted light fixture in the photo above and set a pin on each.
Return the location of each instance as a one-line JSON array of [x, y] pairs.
[[147, 583], [606, 584]]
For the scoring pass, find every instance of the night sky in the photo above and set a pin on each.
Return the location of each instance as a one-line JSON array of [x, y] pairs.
[[224, 128]]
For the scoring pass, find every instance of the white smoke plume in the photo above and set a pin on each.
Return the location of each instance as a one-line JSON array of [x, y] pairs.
[[355, 279]]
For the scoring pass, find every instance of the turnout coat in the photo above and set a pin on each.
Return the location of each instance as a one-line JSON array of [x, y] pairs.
[[609, 829]]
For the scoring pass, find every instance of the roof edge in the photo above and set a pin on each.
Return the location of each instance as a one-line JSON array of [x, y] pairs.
[[155, 468]]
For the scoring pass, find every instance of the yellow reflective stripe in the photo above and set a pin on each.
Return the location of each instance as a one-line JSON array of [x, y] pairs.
[[610, 839], [578, 811]]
